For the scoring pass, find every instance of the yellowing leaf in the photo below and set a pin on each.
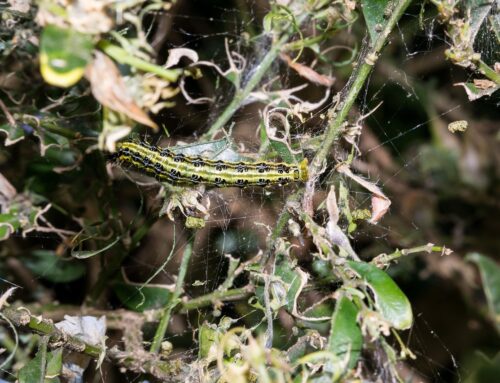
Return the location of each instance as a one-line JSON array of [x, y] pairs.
[[64, 55]]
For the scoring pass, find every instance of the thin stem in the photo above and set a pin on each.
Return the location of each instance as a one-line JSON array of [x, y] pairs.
[[208, 299], [165, 319], [242, 94], [144, 362], [358, 80], [123, 57], [384, 259], [22, 318], [355, 84]]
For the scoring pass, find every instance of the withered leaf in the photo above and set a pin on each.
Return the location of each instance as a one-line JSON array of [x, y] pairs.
[[308, 73], [109, 89]]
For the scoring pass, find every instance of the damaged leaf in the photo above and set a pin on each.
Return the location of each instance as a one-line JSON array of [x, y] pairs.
[[109, 89], [64, 54]]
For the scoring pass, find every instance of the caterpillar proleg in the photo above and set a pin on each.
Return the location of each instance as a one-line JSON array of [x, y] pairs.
[[175, 168]]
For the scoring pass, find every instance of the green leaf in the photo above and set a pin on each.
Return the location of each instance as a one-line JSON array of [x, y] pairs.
[[490, 275], [141, 297], [50, 140], [207, 337], [345, 336], [323, 310], [14, 133], [48, 265], [373, 11], [54, 366], [294, 281], [64, 54], [34, 370], [474, 93], [283, 150], [9, 223], [390, 301]]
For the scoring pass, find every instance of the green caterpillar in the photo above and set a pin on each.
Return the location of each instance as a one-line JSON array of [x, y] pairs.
[[175, 168]]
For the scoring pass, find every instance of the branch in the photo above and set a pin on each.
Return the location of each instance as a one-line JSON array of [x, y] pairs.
[[366, 61], [162, 327], [241, 94], [140, 362]]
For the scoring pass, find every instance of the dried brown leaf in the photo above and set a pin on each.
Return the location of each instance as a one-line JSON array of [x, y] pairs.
[[380, 202], [308, 73], [109, 89]]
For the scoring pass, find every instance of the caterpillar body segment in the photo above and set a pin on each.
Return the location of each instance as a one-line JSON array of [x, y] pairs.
[[167, 166]]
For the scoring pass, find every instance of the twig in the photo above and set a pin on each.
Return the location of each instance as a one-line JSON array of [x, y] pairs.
[[208, 299], [165, 319], [145, 362], [242, 94], [384, 259], [366, 62], [8, 115], [124, 57]]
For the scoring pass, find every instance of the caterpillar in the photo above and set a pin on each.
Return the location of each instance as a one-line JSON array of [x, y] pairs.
[[177, 168]]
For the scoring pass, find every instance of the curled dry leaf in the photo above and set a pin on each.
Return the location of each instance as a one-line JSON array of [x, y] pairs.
[[308, 73], [333, 232], [175, 55], [109, 89], [5, 296], [380, 202]]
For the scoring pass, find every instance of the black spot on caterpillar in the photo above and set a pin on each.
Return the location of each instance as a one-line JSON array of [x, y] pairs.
[[167, 166]]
